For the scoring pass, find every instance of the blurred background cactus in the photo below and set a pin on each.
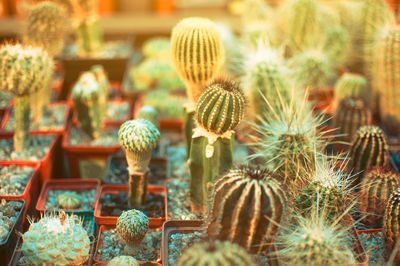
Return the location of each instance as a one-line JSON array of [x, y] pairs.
[[391, 225], [149, 113], [350, 85]]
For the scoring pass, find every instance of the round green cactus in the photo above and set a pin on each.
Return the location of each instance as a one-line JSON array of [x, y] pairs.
[[55, 240], [336, 45], [158, 47], [138, 135], [123, 261], [132, 226], [215, 252], [46, 27], [220, 107], [69, 200], [149, 113], [350, 85]]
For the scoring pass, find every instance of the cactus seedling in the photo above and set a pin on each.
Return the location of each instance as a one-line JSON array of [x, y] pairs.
[[132, 226], [369, 149], [247, 207], [123, 261], [350, 85], [376, 187], [69, 200], [149, 113], [219, 110], [222, 253], [55, 240], [21, 70], [138, 138]]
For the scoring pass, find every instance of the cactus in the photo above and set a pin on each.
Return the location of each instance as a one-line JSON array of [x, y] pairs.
[[123, 261], [376, 188], [386, 80], [288, 143], [215, 252], [247, 207], [167, 105], [336, 45], [86, 97], [69, 200], [46, 27], [391, 221], [102, 79], [55, 240], [138, 138], [266, 74], [21, 70], [369, 148], [132, 226], [350, 85], [149, 113], [197, 55], [219, 110], [158, 47], [351, 114], [314, 240]]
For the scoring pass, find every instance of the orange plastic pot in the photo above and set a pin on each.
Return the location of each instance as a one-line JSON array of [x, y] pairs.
[[115, 189]]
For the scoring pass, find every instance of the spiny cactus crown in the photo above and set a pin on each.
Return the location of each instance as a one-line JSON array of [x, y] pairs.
[[138, 135], [215, 252], [46, 27], [132, 226], [69, 200], [22, 68], [56, 239], [87, 87], [220, 107]]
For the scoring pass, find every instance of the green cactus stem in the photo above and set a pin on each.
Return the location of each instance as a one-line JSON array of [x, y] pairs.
[[247, 207], [219, 109], [138, 138], [21, 114], [101, 77], [336, 45], [350, 85], [149, 113]]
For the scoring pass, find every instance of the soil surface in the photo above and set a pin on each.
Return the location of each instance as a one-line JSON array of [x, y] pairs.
[[373, 246], [39, 146], [109, 137], [13, 179], [9, 211]]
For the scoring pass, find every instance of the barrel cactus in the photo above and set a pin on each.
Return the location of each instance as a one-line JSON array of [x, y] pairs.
[[149, 113], [46, 27], [391, 224], [350, 85], [215, 252], [69, 200], [219, 110], [22, 69], [376, 187], [123, 260], [138, 138], [247, 207], [369, 148], [86, 97], [386, 80], [132, 226], [55, 240]]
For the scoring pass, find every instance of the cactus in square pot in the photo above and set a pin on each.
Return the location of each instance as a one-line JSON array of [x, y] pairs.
[[138, 138], [219, 110], [21, 73], [197, 55]]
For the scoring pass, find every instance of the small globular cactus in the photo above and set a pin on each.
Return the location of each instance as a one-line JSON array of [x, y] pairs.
[[55, 239], [149, 113], [123, 261], [247, 207], [46, 27], [350, 85], [391, 224], [86, 96], [158, 47], [69, 200], [219, 110], [369, 148], [376, 187], [215, 252], [138, 138], [351, 114], [132, 226], [197, 53]]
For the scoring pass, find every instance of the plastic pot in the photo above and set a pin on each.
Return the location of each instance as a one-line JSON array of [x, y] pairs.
[[96, 255], [115, 189], [70, 185], [46, 163], [8, 244], [85, 161]]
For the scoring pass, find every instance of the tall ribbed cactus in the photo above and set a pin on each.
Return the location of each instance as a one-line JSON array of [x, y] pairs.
[[46, 27], [86, 97], [391, 224], [266, 76], [376, 188], [351, 114], [21, 72], [101, 77], [369, 148], [336, 45], [197, 55], [247, 207], [350, 85], [138, 138], [219, 110], [222, 253], [387, 80]]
